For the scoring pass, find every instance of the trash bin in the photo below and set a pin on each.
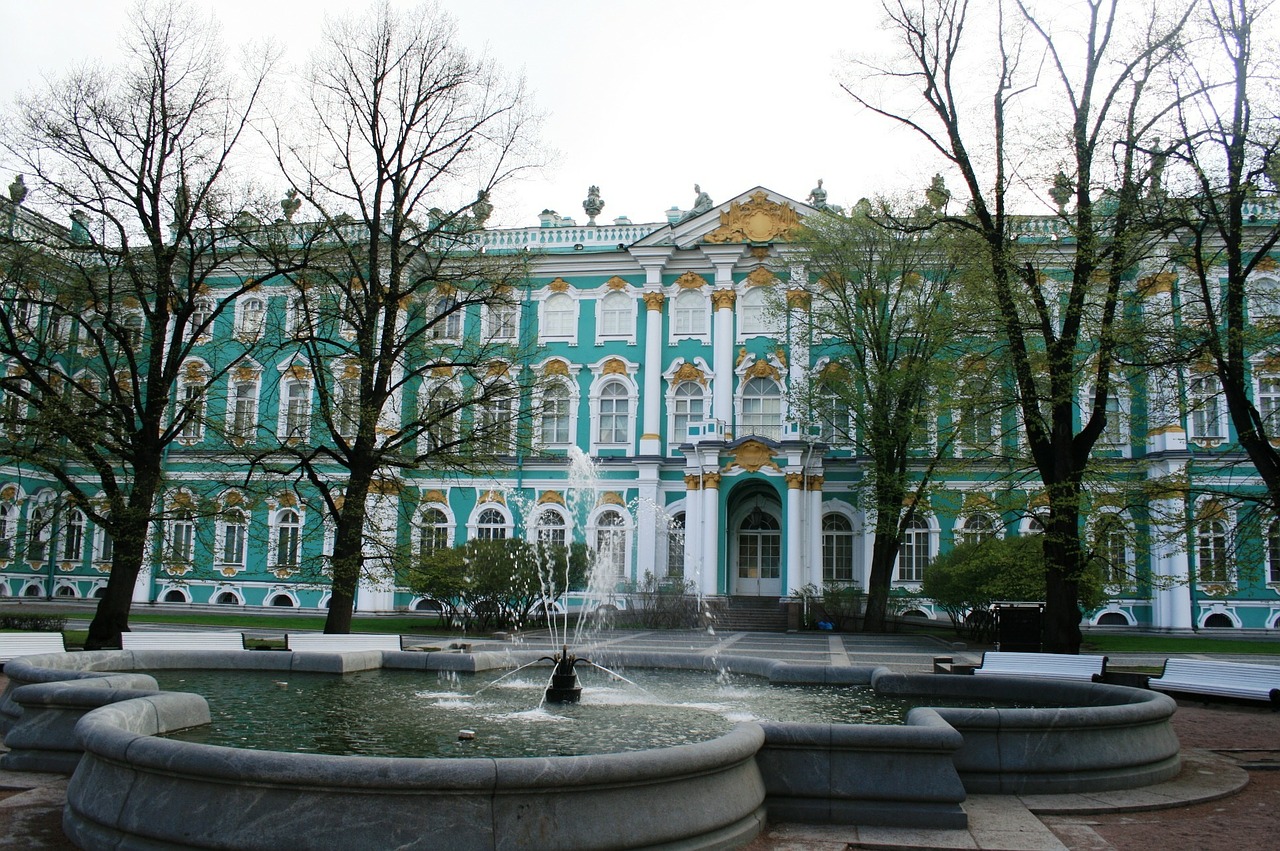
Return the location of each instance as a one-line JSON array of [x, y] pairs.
[[1019, 627]]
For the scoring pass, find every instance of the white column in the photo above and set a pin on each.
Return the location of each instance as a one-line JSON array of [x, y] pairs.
[[651, 439], [693, 533], [648, 535], [376, 590], [796, 534], [722, 302], [711, 534], [815, 529], [1170, 566]]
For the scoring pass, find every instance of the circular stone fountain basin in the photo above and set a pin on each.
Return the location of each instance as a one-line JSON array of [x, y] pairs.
[[133, 789]]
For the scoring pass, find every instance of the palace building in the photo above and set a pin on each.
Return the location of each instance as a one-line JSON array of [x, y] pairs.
[[662, 355]]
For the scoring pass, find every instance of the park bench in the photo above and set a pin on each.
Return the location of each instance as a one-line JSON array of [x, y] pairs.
[[186, 640], [14, 644], [339, 643], [1220, 679], [1061, 666]]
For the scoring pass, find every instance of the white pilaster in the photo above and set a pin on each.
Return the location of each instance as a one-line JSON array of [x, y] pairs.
[[711, 534], [796, 534], [647, 532], [651, 439]]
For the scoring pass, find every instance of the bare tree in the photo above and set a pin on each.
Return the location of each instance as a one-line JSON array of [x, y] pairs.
[[102, 319], [886, 337], [1060, 330], [1227, 150], [410, 136]]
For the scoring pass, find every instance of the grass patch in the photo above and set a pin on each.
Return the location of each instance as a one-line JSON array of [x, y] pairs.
[[1178, 644]]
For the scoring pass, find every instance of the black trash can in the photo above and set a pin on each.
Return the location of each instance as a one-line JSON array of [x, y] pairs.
[[1019, 627]]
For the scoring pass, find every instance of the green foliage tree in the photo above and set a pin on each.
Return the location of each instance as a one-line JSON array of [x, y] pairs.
[[970, 577]]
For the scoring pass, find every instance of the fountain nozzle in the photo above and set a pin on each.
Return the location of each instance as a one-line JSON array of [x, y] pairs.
[[564, 686]]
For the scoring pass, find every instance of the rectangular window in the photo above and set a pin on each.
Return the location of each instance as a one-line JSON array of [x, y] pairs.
[[193, 410], [504, 321]]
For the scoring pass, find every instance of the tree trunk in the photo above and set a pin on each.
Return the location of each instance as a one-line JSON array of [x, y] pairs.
[[884, 556], [129, 534], [1063, 563], [348, 552]]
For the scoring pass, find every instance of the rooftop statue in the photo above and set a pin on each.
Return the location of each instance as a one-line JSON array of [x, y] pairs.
[[818, 196], [18, 190], [290, 203], [481, 209], [593, 205]]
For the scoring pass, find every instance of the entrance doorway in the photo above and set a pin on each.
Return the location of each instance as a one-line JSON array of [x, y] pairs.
[[757, 554]]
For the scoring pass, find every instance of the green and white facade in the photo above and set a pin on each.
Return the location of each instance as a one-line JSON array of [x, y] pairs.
[[662, 355]]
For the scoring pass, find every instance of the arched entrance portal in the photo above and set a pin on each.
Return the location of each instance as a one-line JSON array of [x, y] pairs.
[[755, 546]]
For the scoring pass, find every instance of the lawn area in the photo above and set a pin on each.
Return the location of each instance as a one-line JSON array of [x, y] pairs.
[[1111, 643]]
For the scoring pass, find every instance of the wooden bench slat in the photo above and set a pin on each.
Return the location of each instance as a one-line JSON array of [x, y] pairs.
[[1056, 665], [15, 644], [1220, 678], [182, 640], [338, 643]]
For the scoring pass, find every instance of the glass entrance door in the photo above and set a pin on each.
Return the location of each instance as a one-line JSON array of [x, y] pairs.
[[758, 555]]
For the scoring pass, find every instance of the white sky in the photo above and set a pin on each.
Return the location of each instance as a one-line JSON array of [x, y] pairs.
[[642, 99]]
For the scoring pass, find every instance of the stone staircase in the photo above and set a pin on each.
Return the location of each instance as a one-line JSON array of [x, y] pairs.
[[748, 614]]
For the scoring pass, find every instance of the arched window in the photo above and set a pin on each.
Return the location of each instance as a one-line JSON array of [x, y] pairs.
[[915, 552], [192, 408], [832, 414], [182, 537], [297, 409], [104, 546], [346, 406], [242, 410], [253, 314], [174, 595], [615, 414], [433, 532], [759, 546], [227, 598], [761, 408], [675, 546], [552, 528], [282, 600], [616, 315], [235, 527], [1111, 543], [8, 528], [837, 548], [200, 325], [496, 420], [1211, 550], [440, 417], [491, 525], [611, 546], [132, 329], [977, 528], [689, 314], [39, 531], [1269, 402], [751, 312], [297, 324], [73, 536], [687, 406], [559, 316], [447, 322], [65, 591], [288, 538], [553, 425]]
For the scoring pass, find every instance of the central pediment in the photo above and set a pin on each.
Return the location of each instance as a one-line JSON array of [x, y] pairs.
[[755, 217]]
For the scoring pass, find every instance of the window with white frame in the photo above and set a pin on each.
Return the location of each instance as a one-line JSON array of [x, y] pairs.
[[751, 312], [915, 550], [346, 404], [8, 528], [1211, 551], [446, 322], [439, 414], [616, 315], [689, 313], [1114, 432], [192, 410], [1206, 408], [491, 525], [554, 415], [496, 419], [251, 316], [1111, 544], [1273, 552], [233, 535], [688, 406], [552, 528], [837, 548], [182, 537], [761, 408], [614, 420], [39, 531], [297, 322], [975, 417], [296, 422], [288, 539], [503, 321], [73, 536], [977, 528], [433, 532], [132, 328], [559, 317], [200, 325], [242, 409], [611, 545], [1264, 299], [1268, 398], [832, 414], [104, 546]]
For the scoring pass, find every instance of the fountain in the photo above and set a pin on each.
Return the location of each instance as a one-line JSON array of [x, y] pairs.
[[564, 686]]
